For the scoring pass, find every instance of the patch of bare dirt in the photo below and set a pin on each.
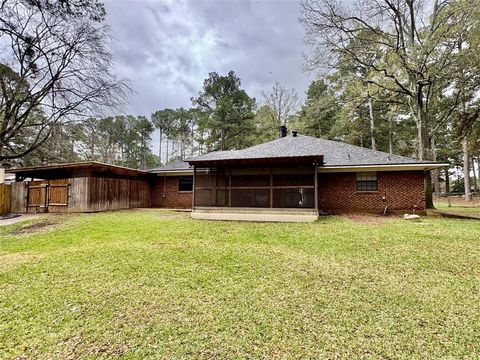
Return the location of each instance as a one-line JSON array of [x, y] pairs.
[[369, 218], [35, 227]]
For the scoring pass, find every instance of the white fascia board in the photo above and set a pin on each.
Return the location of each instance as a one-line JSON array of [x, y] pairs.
[[392, 167], [174, 173]]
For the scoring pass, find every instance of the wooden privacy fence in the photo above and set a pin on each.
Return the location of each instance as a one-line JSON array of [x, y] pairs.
[[5, 199], [84, 194]]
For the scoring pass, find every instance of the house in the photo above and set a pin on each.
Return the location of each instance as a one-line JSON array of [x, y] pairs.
[[292, 178]]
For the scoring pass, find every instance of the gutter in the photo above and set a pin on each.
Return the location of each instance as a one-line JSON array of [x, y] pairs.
[[386, 167]]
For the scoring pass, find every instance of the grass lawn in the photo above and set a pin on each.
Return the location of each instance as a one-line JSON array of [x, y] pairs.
[[464, 209], [148, 283]]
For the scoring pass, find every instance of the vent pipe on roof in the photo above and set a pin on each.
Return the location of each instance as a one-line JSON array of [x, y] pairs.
[[294, 133], [283, 131]]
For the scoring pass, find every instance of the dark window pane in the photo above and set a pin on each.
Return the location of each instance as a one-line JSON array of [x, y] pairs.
[[367, 181], [367, 185], [185, 183]]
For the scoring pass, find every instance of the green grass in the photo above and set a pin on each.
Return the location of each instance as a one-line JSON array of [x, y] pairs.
[[459, 209], [154, 284]]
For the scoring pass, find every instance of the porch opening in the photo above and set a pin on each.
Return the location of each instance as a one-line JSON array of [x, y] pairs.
[[255, 188]]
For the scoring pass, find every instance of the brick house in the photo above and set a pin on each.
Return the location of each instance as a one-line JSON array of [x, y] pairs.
[[292, 178]]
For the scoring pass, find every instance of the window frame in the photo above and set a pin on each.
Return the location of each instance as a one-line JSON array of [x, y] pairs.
[[179, 182], [366, 182]]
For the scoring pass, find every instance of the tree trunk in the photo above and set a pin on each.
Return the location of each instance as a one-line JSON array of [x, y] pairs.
[[372, 124], [447, 181], [466, 170], [390, 134], [423, 142], [166, 159], [478, 168], [428, 190], [474, 172], [160, 148], [222, 139], [435, 172]]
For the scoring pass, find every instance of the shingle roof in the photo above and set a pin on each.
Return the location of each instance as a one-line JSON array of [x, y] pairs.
[[335, 153], [175, 166]]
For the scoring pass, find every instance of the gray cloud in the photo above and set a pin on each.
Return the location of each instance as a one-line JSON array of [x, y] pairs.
[[167, 48]]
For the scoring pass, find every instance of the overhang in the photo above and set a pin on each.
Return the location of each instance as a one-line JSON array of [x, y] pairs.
[[70, 169], [383, 167], [309, 160]]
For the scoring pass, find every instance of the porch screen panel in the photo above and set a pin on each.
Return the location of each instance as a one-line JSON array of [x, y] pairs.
[[293, 191], [250, 197], [293, 198], [251, 181], [203, 197], [211, 188], [293, 180], [202, 180]]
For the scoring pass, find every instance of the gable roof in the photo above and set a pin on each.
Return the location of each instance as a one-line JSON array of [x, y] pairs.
[[334, 153]]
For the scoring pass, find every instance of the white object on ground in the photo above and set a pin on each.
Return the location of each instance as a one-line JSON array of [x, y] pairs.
[[411, 217]]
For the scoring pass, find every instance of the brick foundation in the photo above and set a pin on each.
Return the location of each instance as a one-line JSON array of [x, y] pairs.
[[403, 190], [165, 194]]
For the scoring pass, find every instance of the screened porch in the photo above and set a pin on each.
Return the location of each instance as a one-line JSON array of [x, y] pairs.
[[274, 188]]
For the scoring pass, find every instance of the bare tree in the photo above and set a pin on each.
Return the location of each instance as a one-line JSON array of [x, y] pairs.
[[411, 42], [55, 68], [284, 102]]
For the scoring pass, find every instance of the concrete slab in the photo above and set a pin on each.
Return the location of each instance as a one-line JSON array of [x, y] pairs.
[[249, 214]]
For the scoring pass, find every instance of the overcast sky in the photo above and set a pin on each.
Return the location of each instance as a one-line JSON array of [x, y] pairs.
[[167, 48]]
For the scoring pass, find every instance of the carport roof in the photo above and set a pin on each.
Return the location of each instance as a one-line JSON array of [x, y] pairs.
[[67, 170]]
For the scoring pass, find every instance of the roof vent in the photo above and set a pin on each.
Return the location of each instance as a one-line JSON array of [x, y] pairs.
[[283, 131], [294, 133]]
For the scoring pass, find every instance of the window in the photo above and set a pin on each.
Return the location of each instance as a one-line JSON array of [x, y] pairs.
[[367, 181], [185, 183]]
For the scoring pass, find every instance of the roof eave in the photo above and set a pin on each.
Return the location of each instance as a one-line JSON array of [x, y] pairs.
[[383, 167], [260, 161]]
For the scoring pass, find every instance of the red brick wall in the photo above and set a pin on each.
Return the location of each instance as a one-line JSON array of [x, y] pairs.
[[403, 190], [337, 192], [173, 198]]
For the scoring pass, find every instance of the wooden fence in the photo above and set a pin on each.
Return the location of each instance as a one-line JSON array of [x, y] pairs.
[[85, 194], [5, 199]]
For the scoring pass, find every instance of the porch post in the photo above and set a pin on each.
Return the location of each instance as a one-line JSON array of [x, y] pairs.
[[229, 187], [193, 185], [316, 186], [271, 188]]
